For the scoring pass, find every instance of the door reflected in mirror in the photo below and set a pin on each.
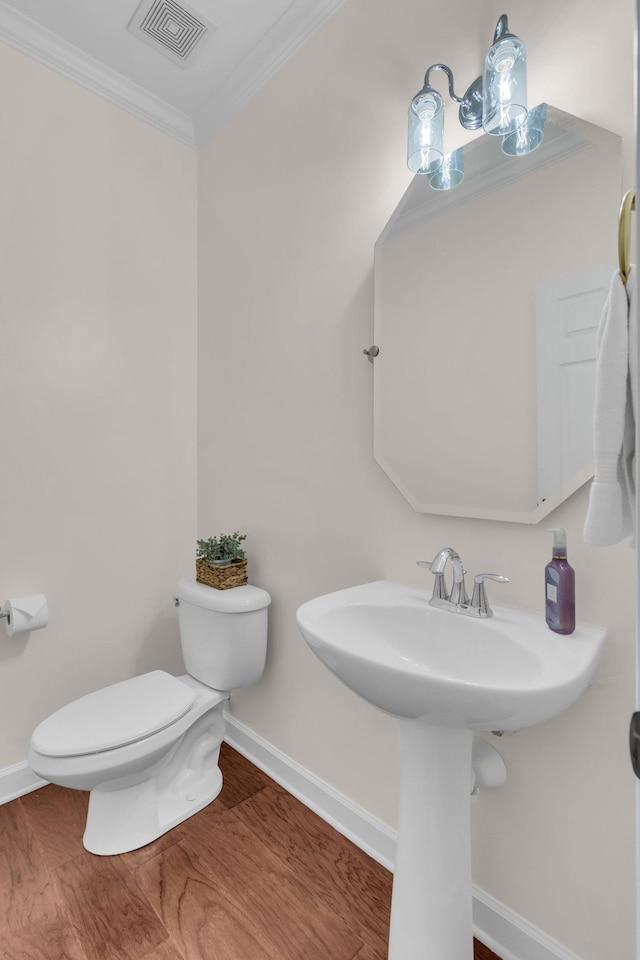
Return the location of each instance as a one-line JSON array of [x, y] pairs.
[[487, 299]]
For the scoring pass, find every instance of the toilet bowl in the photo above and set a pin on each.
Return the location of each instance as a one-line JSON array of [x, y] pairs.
[[147, 748]]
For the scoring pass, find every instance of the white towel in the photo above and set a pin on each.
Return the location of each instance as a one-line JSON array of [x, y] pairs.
[[611, 513]]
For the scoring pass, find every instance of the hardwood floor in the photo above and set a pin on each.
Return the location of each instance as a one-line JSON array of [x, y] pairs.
[[254, 876]]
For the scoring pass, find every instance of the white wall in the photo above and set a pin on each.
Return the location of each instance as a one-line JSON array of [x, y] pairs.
[[97, 390], [294, 193]]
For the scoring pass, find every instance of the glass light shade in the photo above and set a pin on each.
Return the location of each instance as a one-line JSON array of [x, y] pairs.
[[449, 172], [528, 135], [504, 86], [426, 131]]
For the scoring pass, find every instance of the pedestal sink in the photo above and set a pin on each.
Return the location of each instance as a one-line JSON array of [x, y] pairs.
[[442, 675]]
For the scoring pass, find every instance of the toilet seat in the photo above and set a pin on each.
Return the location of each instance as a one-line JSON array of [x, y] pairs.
[[115, 716]]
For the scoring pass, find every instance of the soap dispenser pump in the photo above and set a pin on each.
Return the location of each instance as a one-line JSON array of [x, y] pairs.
[[560, 586]]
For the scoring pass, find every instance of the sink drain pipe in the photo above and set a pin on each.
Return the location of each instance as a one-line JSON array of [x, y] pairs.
[[487, 766]]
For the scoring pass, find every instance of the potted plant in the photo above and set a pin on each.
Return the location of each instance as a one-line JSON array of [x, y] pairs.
[[221, 562]]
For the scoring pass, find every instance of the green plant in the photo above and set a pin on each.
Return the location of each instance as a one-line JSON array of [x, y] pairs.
[[224, 548]]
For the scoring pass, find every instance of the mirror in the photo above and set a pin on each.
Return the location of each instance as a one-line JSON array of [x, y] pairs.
[[487, 299]]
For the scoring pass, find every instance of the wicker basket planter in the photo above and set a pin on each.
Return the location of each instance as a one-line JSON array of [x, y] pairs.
[[232, 574]]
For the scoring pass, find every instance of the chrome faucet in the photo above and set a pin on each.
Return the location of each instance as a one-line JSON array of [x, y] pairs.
[[437, 566], [457, 600]]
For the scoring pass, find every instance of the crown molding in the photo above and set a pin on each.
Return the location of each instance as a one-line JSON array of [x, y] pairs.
[[43, 45], [281, 41]]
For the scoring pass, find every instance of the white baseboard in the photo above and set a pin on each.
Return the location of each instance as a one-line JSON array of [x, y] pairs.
[[17, 780], [510, 935], [499, 928], [367, 832]]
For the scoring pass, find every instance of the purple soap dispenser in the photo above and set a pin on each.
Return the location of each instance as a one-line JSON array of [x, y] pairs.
[[560, 586]]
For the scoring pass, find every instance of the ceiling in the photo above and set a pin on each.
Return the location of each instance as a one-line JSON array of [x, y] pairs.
[[185, 67]]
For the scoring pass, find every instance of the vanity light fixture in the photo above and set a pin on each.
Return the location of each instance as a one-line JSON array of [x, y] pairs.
[[495, 101]]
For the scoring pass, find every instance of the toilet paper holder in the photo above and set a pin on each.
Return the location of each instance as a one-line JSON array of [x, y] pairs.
[[25, 614]]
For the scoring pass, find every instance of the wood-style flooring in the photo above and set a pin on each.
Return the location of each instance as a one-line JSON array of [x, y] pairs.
[[254, 876]]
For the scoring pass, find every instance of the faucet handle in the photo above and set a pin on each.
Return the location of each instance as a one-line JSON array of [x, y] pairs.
[[479, 598], [424, 563]]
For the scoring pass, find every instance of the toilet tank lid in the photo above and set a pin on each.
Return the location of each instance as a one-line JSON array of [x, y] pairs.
[[235, 600], [114, 716]]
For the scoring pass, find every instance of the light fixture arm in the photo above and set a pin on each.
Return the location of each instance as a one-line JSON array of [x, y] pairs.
[[502, 28], [449, 73], [470, 114]]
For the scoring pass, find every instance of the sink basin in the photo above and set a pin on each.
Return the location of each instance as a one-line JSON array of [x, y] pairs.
[[443, 675], [387, 644]]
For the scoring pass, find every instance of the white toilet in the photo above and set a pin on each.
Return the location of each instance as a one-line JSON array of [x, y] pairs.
[[148, 748]]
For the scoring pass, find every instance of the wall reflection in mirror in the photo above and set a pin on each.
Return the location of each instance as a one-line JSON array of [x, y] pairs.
[[487, 299]]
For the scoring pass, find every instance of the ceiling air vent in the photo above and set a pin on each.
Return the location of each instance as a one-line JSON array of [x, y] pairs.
[[173, 29]]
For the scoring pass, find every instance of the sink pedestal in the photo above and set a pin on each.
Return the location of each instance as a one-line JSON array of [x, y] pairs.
[[387, 643], [431, 900]]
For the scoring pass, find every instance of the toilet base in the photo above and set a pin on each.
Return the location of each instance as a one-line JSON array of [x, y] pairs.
[[131, 812]]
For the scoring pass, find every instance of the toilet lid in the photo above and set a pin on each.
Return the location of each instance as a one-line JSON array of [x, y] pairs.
[[114, 716]]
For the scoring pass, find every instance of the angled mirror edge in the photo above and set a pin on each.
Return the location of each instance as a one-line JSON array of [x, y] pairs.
[[532, 517], [597, 135], [487, 169]]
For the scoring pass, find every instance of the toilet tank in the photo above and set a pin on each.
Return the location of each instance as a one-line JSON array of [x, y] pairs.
[[223, 633]]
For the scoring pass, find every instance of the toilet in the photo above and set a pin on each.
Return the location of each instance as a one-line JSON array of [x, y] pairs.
[[147, 748]]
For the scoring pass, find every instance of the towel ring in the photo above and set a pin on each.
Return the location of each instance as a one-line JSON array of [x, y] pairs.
[[624, 233]]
